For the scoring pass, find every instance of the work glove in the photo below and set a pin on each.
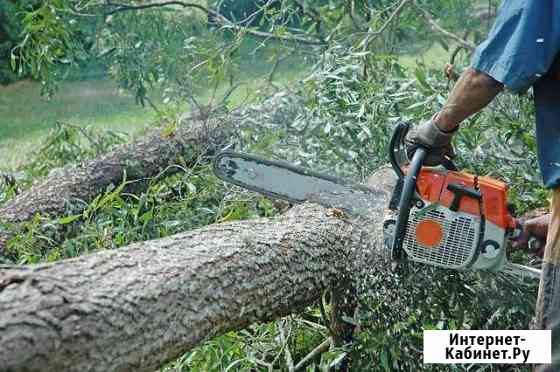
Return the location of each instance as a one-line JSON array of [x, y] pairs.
[[437, 142]]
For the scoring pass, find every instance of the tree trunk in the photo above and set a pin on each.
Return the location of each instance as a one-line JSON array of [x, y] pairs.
[[67, 191], [135, 308], [548, 301]]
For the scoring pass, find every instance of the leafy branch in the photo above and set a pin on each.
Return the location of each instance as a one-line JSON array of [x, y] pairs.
[[219, 18], [428, 17]]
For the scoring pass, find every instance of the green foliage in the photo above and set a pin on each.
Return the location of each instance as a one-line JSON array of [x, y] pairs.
[[164, 48], [67, 143], [10, 30], [171, 46], [52, 37], [361, 111], [350, 116], [8, 189], [395, 312], [259, 347], [29, 24]]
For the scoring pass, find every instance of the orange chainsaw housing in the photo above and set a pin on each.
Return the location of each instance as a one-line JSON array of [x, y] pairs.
[[432, 187]]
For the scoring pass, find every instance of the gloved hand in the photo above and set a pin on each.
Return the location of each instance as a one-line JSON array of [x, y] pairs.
[[435, 140]]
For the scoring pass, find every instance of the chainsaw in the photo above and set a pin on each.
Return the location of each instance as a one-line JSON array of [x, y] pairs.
[[437, 215]]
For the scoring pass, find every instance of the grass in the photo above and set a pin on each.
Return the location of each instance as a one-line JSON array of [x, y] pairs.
[[25, 116], [433, 57]]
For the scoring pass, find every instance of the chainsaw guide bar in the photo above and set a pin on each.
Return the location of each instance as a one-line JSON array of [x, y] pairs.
[[284, 181]]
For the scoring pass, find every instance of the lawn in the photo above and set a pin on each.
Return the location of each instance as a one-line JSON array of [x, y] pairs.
[[25, 116], [434, 56]]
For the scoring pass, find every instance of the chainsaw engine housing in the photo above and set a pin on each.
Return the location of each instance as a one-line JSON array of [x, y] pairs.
[[458, 221]]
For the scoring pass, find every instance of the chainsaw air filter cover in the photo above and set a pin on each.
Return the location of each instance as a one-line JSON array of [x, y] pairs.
[[438, 236], [459, 221]]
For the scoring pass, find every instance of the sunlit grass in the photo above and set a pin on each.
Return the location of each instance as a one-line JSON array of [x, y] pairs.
[[433, 57], [25, 116]]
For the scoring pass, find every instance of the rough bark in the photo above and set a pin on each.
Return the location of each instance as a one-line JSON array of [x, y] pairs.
[[135, 308], [70, 188]]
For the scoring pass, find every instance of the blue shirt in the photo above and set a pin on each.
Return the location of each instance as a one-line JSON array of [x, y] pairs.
[[519, 51]]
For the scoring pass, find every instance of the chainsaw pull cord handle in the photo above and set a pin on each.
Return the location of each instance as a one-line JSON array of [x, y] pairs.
[[406, 200]]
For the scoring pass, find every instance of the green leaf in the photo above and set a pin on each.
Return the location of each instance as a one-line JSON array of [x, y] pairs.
[[421, 78], [146, 217], [69, 219], [169, 130], [13, 64], [385, 361]]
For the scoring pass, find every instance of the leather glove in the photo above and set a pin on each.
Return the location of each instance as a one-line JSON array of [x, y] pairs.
[[434, 139]]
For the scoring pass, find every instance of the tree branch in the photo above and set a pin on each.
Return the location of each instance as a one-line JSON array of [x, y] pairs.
[[373, 35], [68, 189], [428, 17], [120, 7], [223, 21], [370, 36], [284, 339], [135, 308], [324, 346]]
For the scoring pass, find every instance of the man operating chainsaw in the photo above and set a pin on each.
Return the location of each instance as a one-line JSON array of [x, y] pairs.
[[522, 50]]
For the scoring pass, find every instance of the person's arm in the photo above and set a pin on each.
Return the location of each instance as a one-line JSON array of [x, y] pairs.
[[472, 92]]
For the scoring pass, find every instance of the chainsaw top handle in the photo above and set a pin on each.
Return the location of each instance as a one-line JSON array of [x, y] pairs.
[[406, 200], [397, 150], [408, 180]]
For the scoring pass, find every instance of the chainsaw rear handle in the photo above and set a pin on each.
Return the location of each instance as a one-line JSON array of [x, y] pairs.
[[534, 243]]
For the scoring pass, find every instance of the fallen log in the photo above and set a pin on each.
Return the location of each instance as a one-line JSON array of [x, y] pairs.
[[68, 190], [135, 308]]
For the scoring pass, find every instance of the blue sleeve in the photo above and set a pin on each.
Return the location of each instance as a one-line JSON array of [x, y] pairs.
[[522, 44], [547, 105]]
